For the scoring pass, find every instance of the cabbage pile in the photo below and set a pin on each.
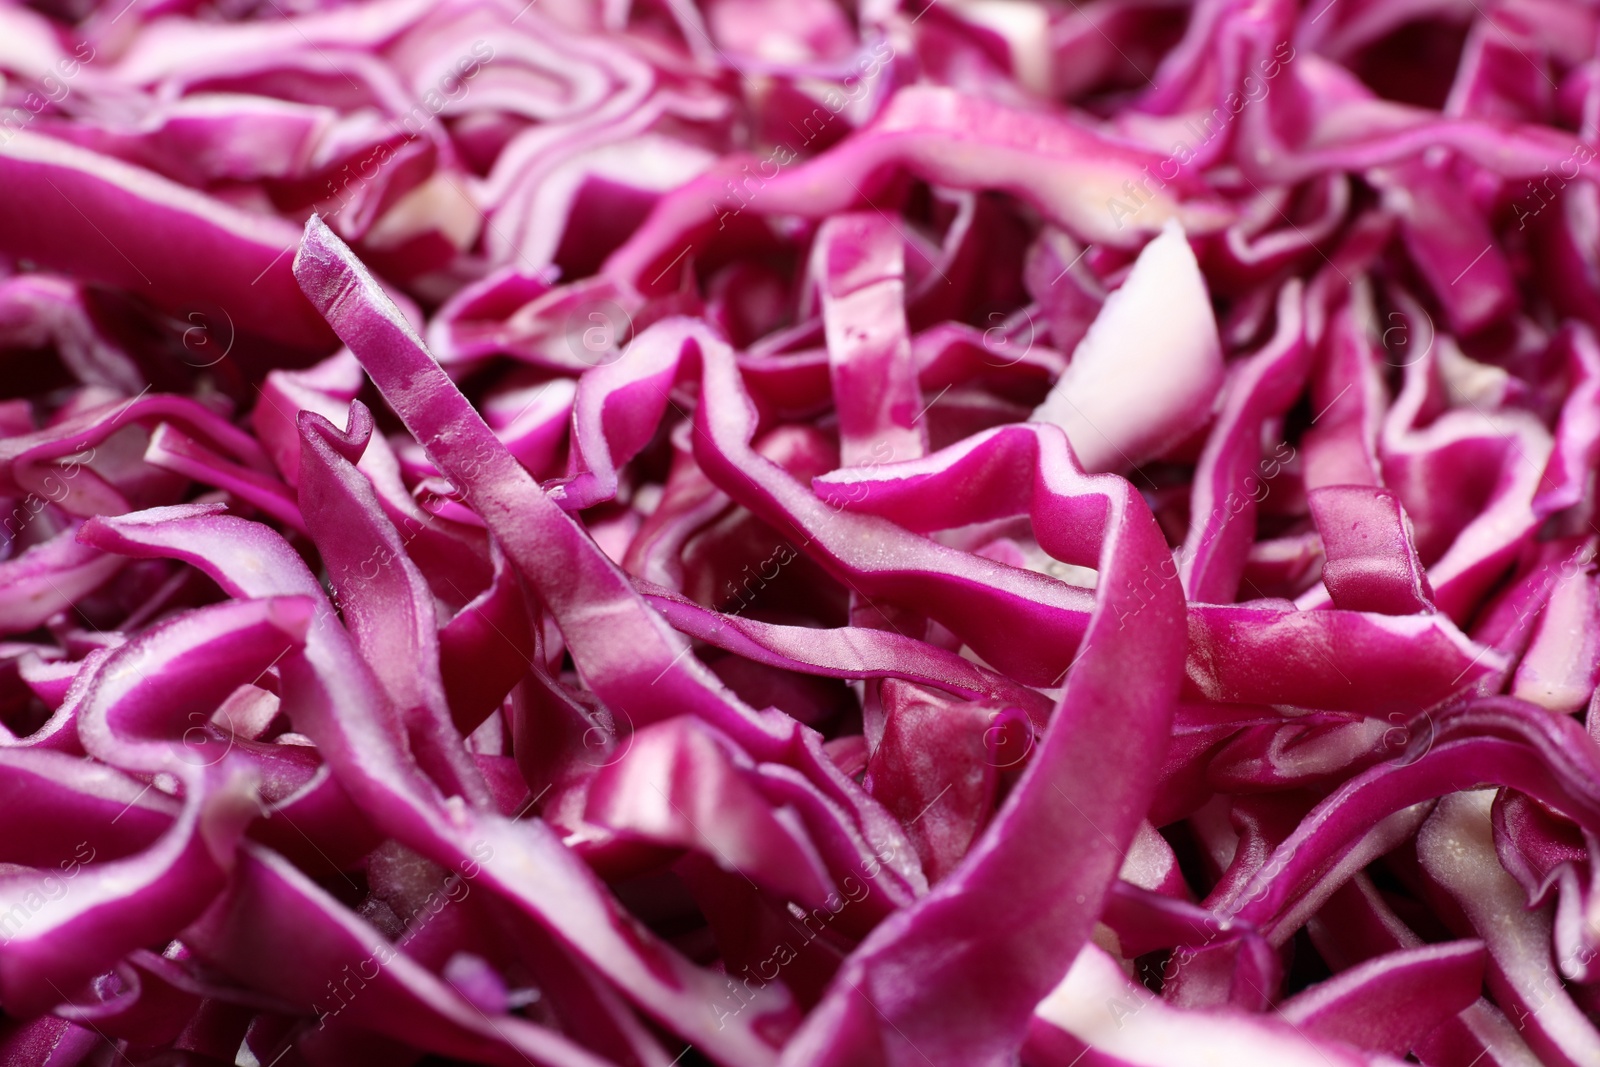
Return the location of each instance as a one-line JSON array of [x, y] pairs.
[[783, 533]]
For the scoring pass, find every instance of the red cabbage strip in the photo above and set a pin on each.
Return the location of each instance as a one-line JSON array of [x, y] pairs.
[[1457, 850], [1098, 1017], [335, 700], [1568, 480], [1371, 563], [385, 604], [138, 1000], [484, 649], [1441, 230], [988, 476], [1235, 653], [1507, 622], [77, 428], [951, 352], [172, 450], [846, 652], [688, 502], [453, 556], [147, 687], [1342, 127], [681, 784], [614, 415], [1006, 920], [210, 137], [250, 561], [105, 220], [650, 772], [1297, 752], [1490, 741], [1357, 925], [177, 45], [310, 820], [60, 731], [1025, 624], [591, 1011], [536, 432], [1561, 665], [538, 872], [1246, 973], [1417, 460], [49, 678], [1534, 845], [510, 312], [936, 763], [25, 458], [338, 287], [38, 310], [1347, 395], [1232, 477], [1173, 425], [560, 735], [858, 263], [48, 578], [1486, 546], [1391, 1002], [1543, 852], [1213, 57], [326, 388], [1144, 921], [33, 43], [60, 903], [342, 965], [796, 384], [1256, 251], [47, 1042], [832, 826], [1061, 167]]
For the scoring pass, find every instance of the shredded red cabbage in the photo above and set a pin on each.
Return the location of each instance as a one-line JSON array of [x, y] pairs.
[[783, 533]]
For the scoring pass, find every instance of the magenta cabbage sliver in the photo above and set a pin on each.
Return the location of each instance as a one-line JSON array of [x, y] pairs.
[[799, 534]]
